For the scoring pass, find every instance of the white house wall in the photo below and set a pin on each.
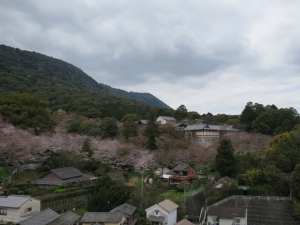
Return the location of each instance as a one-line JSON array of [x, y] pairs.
[[16, 215], [226, 221], [161, 212]]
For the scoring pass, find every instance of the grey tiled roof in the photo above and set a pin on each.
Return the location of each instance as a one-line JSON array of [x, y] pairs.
[[104, 217], [125, 208], [13, 201], [226, 212], [180, 167], [67, 172], [66, 175], [42, 218], [68, 218], [157, 219], [209, 127]]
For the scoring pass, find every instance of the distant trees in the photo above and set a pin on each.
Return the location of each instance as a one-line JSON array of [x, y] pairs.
[[225, 161], [181, 113], [151, 131], [27, 111], [268, 119], [130, 125], [109, 127]]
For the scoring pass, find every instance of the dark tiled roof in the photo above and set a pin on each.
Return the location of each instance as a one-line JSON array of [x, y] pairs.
[[67, 218], [125, 208], [180, 167], [67, 172], [158, 219], [104, 217], [209, 127], [226, 212], [42, 218]]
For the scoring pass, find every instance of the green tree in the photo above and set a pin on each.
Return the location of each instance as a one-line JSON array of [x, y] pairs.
[[27, 111], [252, 176], [284, 151], [107, 195], [181, 113], [130, 125], [295, 182], [225, 161], [109, 127], [151, 131], [86, 148]]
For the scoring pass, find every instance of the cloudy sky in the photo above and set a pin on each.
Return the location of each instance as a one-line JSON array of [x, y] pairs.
[[212, 56]]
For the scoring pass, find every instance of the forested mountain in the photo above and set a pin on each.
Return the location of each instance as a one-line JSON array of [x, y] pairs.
[[47, 77]]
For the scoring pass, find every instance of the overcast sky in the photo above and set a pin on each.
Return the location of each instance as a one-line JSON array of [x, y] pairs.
[[211, 56]]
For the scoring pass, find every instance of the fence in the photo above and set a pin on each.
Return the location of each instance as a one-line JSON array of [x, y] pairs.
[[60, 203], [32, 166], [244, 197]]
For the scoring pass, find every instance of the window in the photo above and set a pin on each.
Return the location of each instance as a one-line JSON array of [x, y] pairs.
[[28, 210], [236, 221], [3, 211], [156, 212]]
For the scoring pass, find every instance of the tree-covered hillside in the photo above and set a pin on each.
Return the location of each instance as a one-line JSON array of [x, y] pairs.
[[31, 72]]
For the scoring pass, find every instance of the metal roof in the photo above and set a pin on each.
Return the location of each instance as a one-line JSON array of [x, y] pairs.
[[226, 212], [104, 217], [168, 205], [180, 167], [14, 201], [125, 208], [42, 218], [67, 172]]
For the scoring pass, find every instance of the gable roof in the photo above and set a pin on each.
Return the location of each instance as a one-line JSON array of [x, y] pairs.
[[180, 167], [184, 222], [168, 205], [67, 172], [67, 218], [14, 201], [226, 212], [104, 217], [42, 218], [125, 208]]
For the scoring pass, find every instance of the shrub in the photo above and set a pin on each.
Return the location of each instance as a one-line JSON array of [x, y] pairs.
[[20, 192], [60, 190], [13, 191]]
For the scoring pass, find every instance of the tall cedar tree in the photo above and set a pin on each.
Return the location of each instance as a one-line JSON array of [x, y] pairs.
[[225, 160], [151, 132], [86, 148], [130, 125]]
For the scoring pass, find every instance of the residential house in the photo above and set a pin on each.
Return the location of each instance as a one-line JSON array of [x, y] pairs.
[[163, 213], [50, 217], [184, 222], [128, 211], [207, 135], [63, 176], [221, 182], [217, 215], [103, 218], [160, 172], [16, 208], [165, 119], [183, 173]]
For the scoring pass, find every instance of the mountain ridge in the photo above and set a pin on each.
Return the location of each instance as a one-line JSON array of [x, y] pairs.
[[52, 71]]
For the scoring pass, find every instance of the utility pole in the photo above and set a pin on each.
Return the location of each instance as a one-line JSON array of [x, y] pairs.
[[142, 188]]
